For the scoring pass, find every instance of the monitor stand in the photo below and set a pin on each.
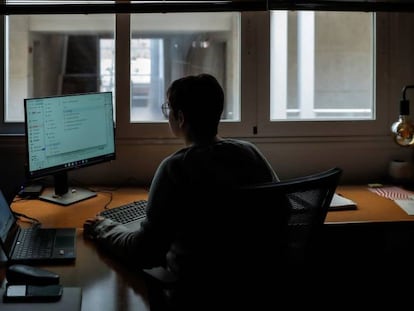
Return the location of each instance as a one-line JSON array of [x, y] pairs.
[[72, 196], [63, 194]]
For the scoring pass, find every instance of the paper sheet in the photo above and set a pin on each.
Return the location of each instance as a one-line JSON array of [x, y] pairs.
[[406, 205], [393, 193], [341, 203]]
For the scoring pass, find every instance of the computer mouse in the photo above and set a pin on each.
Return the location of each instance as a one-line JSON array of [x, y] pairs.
[[25, 274]]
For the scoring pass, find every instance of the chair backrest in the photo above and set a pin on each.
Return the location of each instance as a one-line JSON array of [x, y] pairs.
[[285, 254], [254, 234], [309, 200]]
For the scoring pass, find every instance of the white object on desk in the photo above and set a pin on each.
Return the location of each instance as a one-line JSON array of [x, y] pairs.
[[393, 192], [406, 205], [339, 203]]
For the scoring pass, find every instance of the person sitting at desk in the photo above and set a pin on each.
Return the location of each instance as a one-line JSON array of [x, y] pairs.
[[171, 234]]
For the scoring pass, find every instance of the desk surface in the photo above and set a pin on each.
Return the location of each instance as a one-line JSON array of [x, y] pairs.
[[74, 215], [371, 207], [107, 286]]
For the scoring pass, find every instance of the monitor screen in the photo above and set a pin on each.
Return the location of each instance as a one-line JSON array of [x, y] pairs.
[[68, 132]]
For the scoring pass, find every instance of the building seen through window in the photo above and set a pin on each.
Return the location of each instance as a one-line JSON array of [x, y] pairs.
[[321, 63]]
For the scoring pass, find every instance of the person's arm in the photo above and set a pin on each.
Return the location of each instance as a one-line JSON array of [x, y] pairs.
[[137, 247], [148, 246]]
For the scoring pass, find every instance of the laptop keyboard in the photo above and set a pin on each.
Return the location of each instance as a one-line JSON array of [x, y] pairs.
[[34, 243], [126, 213]]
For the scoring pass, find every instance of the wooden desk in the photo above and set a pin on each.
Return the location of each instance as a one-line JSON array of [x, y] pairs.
[[105, 284], [376, 241], [74, 215], [371, 208]]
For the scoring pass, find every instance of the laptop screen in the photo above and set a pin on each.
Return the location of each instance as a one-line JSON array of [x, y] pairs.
[[6, 218]]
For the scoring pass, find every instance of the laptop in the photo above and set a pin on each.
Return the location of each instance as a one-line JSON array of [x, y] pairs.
[[34, 245]]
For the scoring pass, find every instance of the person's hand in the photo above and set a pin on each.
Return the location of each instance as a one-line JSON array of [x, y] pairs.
[[89, 227]]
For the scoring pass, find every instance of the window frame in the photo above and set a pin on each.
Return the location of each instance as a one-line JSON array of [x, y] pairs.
[[126, 129], [376, 127], [255, 95]]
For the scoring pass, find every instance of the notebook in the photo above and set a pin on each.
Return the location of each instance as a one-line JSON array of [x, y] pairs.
[[34, 245]]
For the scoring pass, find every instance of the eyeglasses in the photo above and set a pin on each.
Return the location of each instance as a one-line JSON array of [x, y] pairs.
[[165, 108]]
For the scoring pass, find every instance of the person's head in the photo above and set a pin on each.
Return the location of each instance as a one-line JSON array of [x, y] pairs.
[[196, 104]]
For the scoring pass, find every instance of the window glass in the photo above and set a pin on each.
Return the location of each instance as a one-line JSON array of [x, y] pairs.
[[165, 47], [275, 67], [322, 66], [56, 54]]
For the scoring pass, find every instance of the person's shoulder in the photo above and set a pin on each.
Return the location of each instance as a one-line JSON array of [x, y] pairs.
[[177, 156], [173, 163], [238, 142]]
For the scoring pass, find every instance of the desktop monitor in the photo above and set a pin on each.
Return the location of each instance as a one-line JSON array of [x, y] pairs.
[[64, 133]]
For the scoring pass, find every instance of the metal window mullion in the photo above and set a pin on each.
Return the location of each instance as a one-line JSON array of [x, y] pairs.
[[306, 64], [279, 63]]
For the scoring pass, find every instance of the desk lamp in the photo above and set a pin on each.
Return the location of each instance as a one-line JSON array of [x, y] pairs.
[[403, 129]]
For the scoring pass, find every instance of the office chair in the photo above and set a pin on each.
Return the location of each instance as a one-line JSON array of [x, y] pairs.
[[255, 235], [309, 200]]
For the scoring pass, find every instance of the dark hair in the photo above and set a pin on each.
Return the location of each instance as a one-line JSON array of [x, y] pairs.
[[201, 100]]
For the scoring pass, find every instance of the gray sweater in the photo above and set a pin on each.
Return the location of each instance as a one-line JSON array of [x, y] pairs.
[[175, 232]]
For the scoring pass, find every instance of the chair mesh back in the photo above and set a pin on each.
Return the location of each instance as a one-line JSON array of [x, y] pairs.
[[309, 205], [238, 257]]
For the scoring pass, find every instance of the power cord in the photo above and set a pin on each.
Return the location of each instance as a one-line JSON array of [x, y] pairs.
[[110, 192], [25, 218]]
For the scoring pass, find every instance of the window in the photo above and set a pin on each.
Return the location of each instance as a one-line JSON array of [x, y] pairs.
[[165, 47], [317, 76], [322, 66], [56, 54], [276, 67]]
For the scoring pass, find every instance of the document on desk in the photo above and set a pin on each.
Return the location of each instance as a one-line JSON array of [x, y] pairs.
[[340, 203], [402, 197], [393, 193], [406, 205]]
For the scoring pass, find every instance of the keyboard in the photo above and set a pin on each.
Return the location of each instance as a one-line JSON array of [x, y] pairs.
[[34, 243], [126, 213]]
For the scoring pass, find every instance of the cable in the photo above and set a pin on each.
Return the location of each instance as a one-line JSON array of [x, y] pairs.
[[110, 199], [106, 191], [32, 220]]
